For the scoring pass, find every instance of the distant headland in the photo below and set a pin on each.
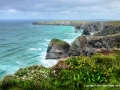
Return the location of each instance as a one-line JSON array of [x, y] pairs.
[[95, 35]]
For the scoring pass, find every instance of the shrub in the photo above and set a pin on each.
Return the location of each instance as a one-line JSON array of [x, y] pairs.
[[69, 74]]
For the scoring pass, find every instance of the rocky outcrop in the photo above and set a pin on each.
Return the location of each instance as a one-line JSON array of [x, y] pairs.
[[99, 28], [108, 30], [80, 47], [92, 27], [87, 45], [89, 27], [64, 23], [83, 45], [57, 49]]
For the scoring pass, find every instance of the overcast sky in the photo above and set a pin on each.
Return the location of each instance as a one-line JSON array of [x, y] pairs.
[[60, 9]]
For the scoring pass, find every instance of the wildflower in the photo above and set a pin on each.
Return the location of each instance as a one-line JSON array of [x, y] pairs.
[[32, 71], [109, 69], [54, 71], [98, 50]]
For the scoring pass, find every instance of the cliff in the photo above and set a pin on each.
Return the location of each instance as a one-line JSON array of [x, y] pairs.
[[87, 46], [97, 28]]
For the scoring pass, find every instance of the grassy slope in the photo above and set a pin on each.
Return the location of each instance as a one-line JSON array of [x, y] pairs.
[[69, 74]]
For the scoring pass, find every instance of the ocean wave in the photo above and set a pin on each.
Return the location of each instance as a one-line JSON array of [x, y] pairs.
[[34, 49], [5, 44], [48, 40], [2, 72], [10, 52], [46, 62], [19, 63], [8, 69], [30, 57], [69, 40], [71, 33]]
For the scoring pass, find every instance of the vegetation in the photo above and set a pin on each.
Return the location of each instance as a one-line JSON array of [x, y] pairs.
[[59, 43], [113, 23], [72, 73]]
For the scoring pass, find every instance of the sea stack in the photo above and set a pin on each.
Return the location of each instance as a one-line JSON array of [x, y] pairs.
[[57, 49]]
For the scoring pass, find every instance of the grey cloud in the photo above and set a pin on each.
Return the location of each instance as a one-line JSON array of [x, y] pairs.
[[68, 7], [49, 5]]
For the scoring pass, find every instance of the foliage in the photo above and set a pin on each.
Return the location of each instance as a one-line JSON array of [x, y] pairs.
[[60, 43], [72, 73]]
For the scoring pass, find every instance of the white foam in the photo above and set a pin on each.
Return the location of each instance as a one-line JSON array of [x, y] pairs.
[[20, 63], [34, 49], [69, 40], [48, 40], [48, 62], [91, 33]]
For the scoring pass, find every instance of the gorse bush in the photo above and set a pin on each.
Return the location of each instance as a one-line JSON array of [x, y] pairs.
[[87, 70], [72, 73]]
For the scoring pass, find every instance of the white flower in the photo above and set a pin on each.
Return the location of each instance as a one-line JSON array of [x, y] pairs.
[[32, 71]]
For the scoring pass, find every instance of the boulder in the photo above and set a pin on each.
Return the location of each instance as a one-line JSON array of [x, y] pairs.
[[57, 49]]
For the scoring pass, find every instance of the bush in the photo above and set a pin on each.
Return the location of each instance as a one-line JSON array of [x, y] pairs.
[[69, 74]]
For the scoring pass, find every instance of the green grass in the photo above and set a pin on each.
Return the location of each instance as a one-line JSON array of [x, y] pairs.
[[59, 43], [72, 73]]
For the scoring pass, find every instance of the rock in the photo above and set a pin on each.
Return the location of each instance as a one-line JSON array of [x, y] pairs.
[[80, 47], [108, 30], [57, 49], [59, 22], [87, 45], [90, 27], [83, 45]]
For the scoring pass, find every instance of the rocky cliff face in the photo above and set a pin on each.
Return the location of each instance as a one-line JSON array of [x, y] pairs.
[[87, 45], [92, 27], [108, 30], [57, 49], [100, 28], [83, 45]]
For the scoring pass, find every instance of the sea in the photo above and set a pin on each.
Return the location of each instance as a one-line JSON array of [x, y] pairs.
[[23, 44]]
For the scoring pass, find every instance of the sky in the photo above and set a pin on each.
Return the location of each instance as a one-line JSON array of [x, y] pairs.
[[60, 9]]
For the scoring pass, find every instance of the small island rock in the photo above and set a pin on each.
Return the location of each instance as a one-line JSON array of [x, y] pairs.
[[57, 49]]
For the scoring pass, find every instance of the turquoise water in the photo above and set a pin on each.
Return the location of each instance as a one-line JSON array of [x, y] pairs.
[[23, 44]]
